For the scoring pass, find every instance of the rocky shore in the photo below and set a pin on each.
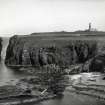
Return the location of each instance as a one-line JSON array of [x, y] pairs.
[[43, 85], [20, 93], [91, 84]]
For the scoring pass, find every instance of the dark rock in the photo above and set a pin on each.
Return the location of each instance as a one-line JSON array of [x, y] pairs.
[[98, 63], [103, 78]]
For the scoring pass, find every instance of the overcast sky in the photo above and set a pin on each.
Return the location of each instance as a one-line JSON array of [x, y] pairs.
[[28, 16]]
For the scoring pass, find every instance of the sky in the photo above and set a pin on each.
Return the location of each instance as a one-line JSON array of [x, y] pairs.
[[28, 16]]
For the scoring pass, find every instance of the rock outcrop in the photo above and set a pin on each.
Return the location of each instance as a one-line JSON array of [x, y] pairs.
[[0, 46], [98, 63], [41, 50]]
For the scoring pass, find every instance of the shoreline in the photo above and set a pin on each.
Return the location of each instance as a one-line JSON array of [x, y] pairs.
[[24, 101]]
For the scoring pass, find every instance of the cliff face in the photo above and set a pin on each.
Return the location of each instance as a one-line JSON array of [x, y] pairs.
[[0, 46], [43, 50]]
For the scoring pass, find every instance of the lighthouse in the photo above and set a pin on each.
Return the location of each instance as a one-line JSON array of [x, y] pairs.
[[89, 26]]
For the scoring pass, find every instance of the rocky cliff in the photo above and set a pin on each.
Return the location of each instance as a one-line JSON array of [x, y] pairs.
[[40, 50], [0, 46]]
